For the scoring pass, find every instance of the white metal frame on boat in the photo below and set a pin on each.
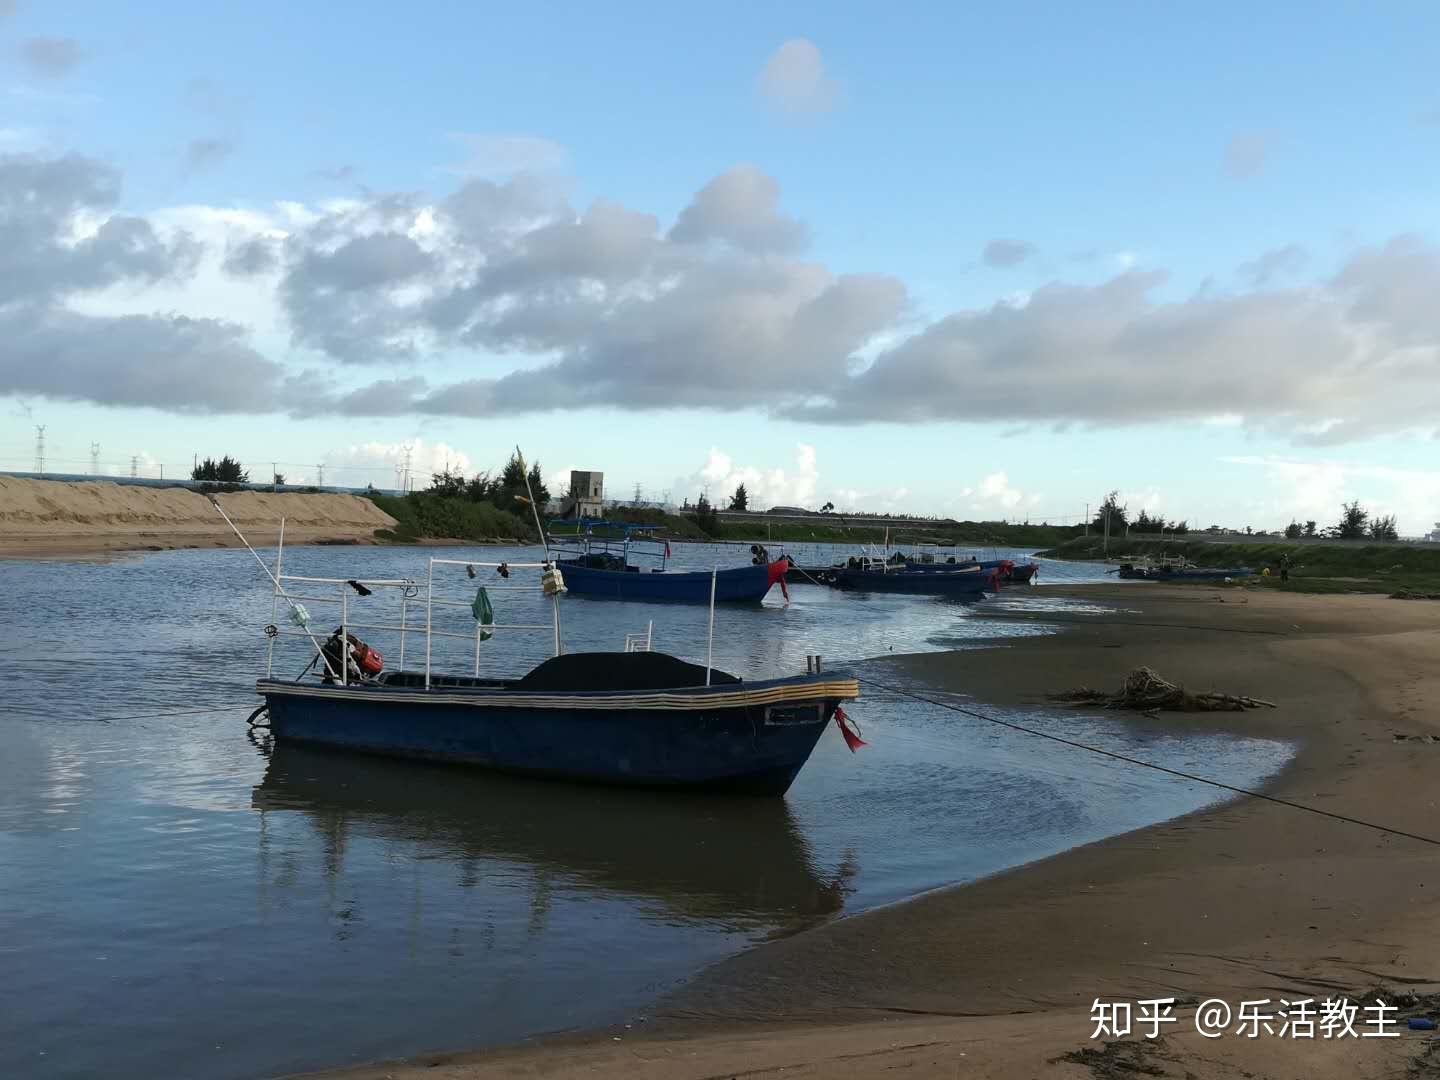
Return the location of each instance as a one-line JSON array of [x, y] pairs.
[[285, 588]]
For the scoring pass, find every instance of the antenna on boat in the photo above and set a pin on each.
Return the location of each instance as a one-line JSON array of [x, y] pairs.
[[710, 644], [301, 616], [544, 542]]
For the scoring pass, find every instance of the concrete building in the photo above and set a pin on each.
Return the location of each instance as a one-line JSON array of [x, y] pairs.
[[587, 494]]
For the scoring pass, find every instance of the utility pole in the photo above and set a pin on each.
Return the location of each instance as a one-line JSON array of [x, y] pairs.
[[274, 476], [40, 449], [320, 474], [1087, 520], [134, 466], [94, 459], [162, 472], [409, 483], [1106, 511]]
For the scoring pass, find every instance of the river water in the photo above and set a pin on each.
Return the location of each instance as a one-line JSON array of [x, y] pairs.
[[174, 901]]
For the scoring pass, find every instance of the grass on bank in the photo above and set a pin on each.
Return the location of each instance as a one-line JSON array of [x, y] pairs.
[[420, 516], [1314, 568]]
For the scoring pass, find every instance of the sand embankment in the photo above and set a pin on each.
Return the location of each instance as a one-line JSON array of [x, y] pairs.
[[59, 518], [1249, 900]]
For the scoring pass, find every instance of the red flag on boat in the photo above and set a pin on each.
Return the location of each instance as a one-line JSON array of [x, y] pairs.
[[667, 549], [852, 738]]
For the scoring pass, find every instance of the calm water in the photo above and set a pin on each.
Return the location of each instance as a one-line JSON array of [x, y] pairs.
[[174, 902]]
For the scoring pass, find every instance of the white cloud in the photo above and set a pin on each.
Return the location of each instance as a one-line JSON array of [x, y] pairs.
[[383, 463], [794, 81], [1314, 491], [995, 496], [764, 487]]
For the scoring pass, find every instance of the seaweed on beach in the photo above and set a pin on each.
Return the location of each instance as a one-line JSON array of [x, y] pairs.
[[1146, 691], [1118, 1059]]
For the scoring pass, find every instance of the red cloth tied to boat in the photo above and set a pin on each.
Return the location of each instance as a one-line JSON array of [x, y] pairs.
[[852, 738], [776, 572]]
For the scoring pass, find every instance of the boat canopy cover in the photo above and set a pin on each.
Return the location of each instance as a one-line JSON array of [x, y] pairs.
[[618, 671]]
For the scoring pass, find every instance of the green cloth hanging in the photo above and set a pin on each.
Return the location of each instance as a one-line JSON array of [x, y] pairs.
[[484, 613]]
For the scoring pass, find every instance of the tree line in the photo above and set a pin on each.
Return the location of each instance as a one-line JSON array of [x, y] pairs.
[[505, 489], [1356, 523]]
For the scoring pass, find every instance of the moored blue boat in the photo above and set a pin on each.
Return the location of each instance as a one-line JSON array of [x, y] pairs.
[[954, 581], [634, 717], [618, 568]]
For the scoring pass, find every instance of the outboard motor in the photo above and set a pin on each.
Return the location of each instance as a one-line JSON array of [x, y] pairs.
[[365, 662], [758, 555]]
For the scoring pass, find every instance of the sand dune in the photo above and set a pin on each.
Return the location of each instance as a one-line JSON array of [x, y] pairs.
[[50, 517]]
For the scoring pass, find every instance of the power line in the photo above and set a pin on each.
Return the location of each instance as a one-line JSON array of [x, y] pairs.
[[94, 459], [1150, 764], [40, 449], [134, 466]]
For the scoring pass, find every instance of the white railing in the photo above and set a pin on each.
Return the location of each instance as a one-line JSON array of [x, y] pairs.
[[412, 593]]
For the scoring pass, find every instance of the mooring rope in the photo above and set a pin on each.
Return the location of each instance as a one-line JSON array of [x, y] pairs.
[[1147, 764]]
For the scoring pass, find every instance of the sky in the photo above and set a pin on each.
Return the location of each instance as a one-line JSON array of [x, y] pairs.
[[991, 264]]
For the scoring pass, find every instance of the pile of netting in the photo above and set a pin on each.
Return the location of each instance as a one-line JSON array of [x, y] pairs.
[[1147, 691]]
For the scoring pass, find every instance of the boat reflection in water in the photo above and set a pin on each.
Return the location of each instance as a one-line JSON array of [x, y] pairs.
[[738, 863]]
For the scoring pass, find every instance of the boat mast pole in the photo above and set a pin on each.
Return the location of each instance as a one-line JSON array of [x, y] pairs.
[[710, 644], [544, 542], [294, 607]]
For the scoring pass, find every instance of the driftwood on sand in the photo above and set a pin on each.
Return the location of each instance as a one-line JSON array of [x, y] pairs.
[[1145, 690]]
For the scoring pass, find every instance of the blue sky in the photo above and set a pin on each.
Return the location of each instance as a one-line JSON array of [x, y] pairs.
[[1127, 168]]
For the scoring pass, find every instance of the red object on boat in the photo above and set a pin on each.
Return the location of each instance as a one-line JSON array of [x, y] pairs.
[[777, 573], [369, 660], [852, 738]]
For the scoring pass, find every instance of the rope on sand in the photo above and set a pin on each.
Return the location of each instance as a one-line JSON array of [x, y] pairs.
[[1147, 691]]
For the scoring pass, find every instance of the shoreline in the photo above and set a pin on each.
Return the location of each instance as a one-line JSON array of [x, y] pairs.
[[1243, 900]]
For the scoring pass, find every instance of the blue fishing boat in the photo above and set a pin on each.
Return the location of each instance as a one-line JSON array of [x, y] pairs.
[[875, 576], [633, 565], [637, 718], [634, 717], [1177, 568]]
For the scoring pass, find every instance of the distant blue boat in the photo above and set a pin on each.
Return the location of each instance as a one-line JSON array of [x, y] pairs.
[[738, 584], [953, 581], [607, 567]]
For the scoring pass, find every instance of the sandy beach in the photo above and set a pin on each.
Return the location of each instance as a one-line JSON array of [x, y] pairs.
[[49, 518], [1246, 901]]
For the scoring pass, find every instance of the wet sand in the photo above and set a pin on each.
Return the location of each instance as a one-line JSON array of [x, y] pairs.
[[1249, 900]]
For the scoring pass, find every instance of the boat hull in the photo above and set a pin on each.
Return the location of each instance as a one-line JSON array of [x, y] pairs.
[[752, 739], [740, 584]]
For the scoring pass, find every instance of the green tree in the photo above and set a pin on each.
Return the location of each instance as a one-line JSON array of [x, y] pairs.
[[1112, 509], [480, 488], [828, 508], [1293, 531], [1309, 528], [741, 499], [705, 515], [1180, 527], [446, 484], [1354, 521], [508, 492], [1383, 528], [225, 471]]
